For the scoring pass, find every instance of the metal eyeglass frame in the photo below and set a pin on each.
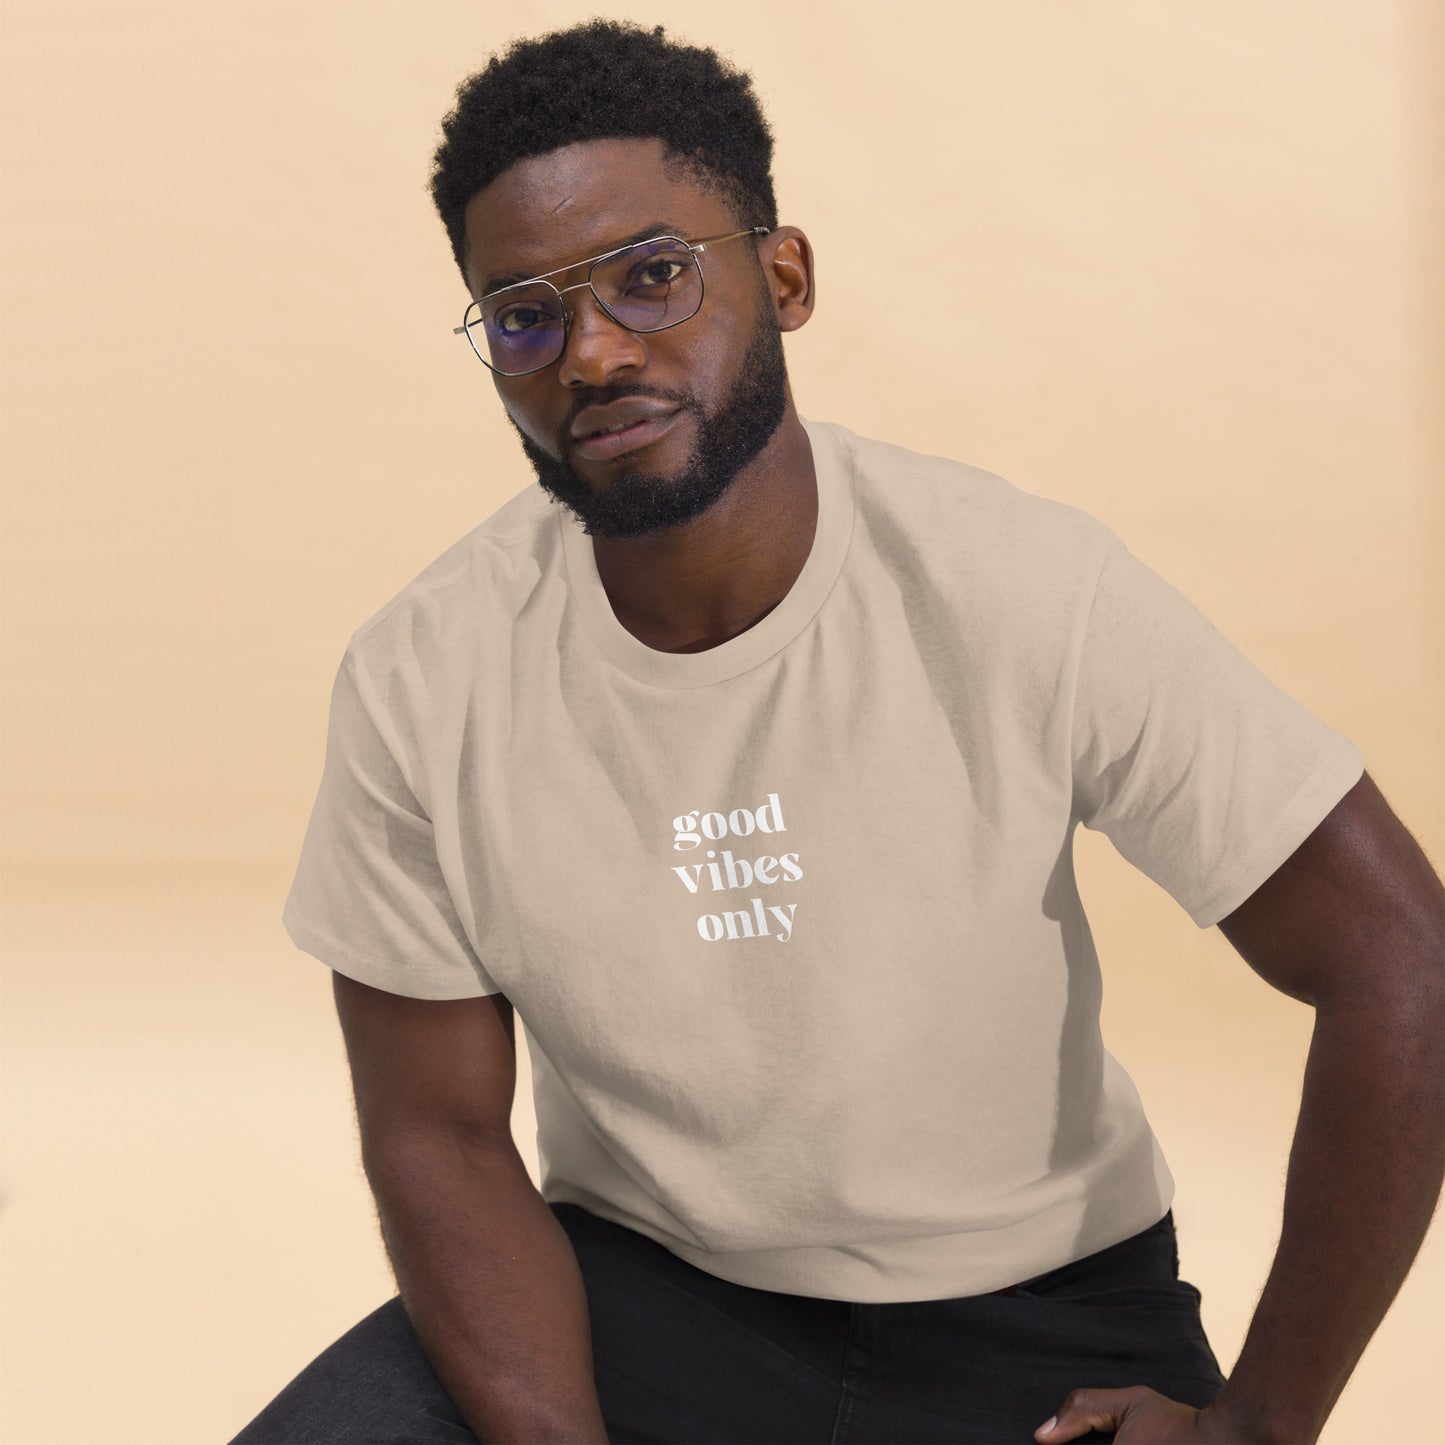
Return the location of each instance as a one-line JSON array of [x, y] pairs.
[[592, 263]]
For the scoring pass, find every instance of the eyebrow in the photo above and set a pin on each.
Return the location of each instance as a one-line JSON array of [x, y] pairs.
[[657, 228]]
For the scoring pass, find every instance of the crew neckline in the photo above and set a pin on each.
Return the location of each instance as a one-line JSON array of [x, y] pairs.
[[833, 468]]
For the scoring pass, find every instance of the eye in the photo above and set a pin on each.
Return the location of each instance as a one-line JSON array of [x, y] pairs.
[[516, 319], [655, 272]]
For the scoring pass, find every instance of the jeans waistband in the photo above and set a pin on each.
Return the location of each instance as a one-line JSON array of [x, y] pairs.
[[1113, 1254]]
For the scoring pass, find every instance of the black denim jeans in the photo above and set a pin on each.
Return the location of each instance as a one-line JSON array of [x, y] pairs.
[[682, 1356]]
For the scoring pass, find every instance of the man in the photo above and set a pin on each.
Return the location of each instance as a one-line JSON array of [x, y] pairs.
[[754, 795]]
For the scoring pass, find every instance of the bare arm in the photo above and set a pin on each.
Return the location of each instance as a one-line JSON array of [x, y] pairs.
[[1353, 924], [487, 1276]]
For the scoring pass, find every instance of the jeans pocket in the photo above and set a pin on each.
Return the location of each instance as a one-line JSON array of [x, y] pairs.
[[1178, 1294]]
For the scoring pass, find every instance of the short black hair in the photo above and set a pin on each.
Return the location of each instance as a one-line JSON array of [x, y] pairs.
[[602, 79]]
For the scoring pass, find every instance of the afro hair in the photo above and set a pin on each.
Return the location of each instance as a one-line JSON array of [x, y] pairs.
[[602, 79]]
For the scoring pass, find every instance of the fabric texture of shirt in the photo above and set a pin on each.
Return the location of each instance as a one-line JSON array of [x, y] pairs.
[[791, 924]]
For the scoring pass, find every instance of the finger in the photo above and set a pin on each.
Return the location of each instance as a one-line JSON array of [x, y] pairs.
[[1085, 1410]]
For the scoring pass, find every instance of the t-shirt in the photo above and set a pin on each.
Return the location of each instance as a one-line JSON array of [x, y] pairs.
[[791, 924]]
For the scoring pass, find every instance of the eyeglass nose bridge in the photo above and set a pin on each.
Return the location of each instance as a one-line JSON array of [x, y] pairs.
[[568, 313]]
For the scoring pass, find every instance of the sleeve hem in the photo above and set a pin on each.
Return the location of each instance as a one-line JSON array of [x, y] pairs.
[[1303, 814], [376, 973]]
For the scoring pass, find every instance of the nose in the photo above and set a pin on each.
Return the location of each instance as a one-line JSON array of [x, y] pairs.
[[597, 346]]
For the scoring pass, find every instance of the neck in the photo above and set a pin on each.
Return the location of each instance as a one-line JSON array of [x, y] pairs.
[[693, 587]]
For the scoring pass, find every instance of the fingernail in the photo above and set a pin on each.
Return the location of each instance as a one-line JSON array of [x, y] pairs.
[[1048, 1425]]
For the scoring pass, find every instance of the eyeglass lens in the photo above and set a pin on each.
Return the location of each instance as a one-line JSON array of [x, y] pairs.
[[647, 287]]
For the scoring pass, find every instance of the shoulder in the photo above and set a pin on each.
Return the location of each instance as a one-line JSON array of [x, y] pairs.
[[962, 523], [443, 610]]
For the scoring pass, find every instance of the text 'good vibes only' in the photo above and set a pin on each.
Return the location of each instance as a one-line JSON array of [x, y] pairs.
[[726, 872]]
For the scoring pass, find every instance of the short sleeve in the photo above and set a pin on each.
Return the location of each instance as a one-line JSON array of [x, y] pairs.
[[369, 898], [1201, 771]]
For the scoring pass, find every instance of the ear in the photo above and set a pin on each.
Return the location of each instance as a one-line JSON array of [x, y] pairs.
[[787, 258]]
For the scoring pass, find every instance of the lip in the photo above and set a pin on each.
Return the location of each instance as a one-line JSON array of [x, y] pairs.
[[629, 439]]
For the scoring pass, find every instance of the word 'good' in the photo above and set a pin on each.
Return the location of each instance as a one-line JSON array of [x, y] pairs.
[[740, 822]]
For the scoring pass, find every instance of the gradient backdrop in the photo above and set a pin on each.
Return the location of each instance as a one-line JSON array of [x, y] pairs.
[[1188, 264]]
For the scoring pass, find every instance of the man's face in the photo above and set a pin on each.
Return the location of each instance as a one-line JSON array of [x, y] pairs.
[[723, 369]]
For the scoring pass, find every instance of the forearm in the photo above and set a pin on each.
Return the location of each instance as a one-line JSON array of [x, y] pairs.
[[491, 1284], [1365, 1171]]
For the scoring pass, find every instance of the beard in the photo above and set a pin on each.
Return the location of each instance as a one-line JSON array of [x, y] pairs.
[[635, 501]]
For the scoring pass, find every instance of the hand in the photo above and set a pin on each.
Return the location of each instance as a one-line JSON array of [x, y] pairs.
[[1139, 1416]]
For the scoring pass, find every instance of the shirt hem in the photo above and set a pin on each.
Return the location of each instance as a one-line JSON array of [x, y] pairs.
[[376, 973], [1309, 807]]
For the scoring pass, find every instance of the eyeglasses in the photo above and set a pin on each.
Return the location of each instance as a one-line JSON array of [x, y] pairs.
[[647, 286]]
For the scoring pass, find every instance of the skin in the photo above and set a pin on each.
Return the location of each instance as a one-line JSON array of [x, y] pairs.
[[700, 535]]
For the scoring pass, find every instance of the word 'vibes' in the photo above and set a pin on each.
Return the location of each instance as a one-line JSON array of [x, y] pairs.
[[727, 872]]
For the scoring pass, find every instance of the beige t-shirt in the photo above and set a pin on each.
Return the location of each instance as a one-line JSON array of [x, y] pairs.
[[791, 924]]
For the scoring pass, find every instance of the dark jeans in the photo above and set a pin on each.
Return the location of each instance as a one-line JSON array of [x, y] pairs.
[[683, 1356]]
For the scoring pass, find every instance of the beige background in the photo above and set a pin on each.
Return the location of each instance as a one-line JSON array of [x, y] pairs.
[[1188, 263]]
